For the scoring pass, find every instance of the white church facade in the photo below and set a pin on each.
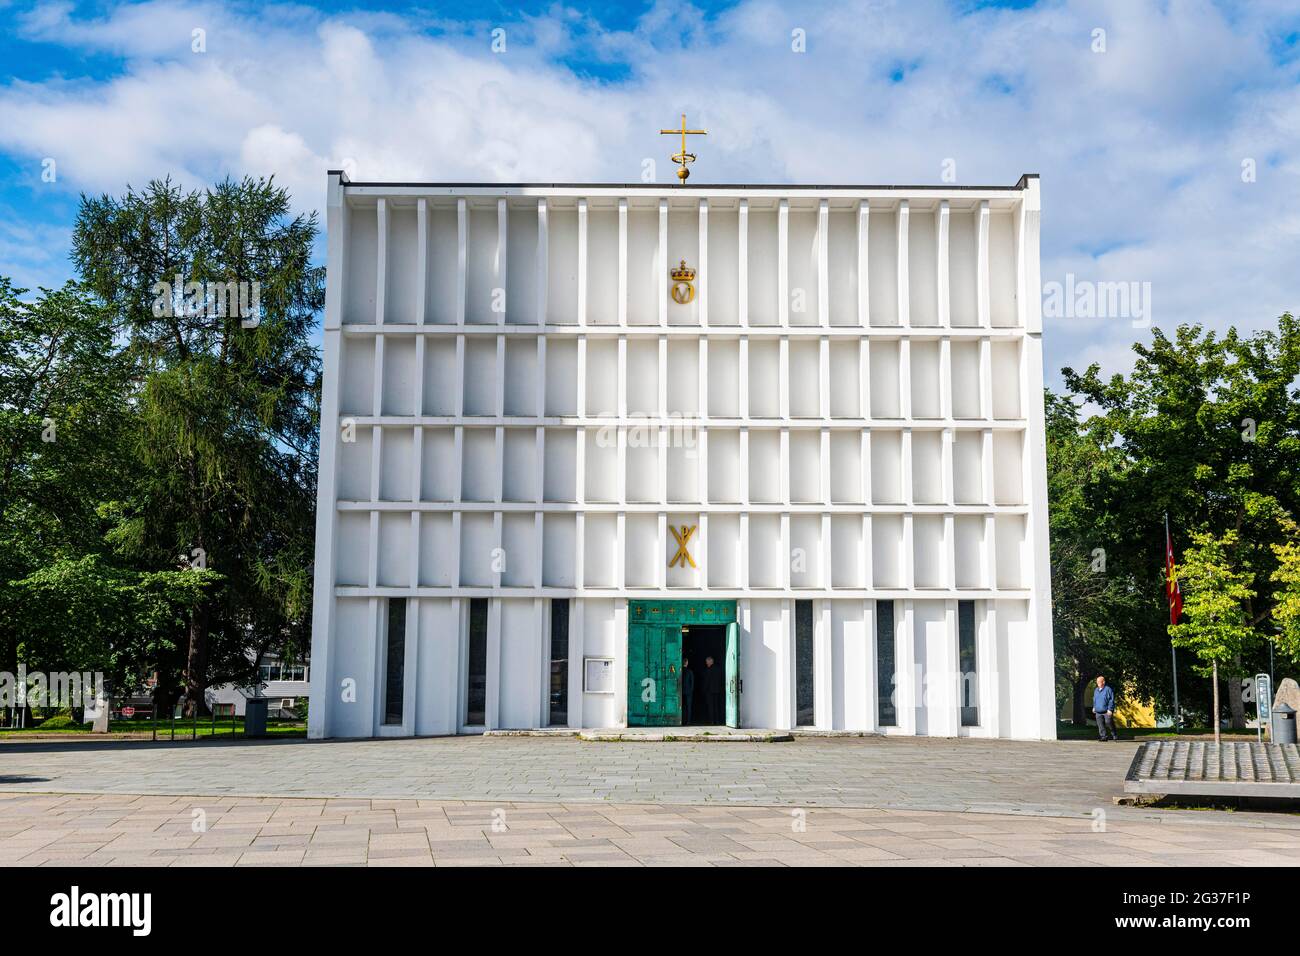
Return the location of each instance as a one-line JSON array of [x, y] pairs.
[[574, 436]]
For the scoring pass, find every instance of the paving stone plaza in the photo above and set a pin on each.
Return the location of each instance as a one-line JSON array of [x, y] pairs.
[[560, 801]]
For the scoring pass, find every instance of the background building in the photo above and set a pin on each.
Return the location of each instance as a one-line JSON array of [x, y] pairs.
[[285, 685], [520, 421]]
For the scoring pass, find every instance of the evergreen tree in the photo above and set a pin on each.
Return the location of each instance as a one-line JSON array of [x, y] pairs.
[[216, 297]]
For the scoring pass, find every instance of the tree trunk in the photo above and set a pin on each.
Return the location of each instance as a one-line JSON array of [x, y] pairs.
[[196, 664], [10, 664], [1235, 705], [1236, 709], [1079, 713], [1214, 717]]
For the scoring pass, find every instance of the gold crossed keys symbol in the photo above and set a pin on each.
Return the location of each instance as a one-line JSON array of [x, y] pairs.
[[682, 536], [682, 158]]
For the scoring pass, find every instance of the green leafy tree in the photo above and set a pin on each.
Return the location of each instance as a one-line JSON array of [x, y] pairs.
[[225, 404], [1207, 429], [89, 614], [1215, 623], [1096, 601], [64, 414], [1286, 607]]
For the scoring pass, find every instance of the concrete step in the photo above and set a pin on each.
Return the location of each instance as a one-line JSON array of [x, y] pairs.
[[687, 734], [654, 734]]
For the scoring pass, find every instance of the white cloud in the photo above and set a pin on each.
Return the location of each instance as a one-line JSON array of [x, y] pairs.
[[157, 28], [1140, 147]]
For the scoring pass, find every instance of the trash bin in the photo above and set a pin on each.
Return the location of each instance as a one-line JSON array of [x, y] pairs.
[[1283, 729], [255, 717]]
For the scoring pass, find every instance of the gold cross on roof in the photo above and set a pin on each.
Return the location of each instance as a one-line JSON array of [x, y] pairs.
[[683, 157]]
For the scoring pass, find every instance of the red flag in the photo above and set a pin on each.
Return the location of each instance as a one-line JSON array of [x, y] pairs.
[[1171, 582]]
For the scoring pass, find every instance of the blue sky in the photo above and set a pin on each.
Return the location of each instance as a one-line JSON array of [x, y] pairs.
[[1167, 151]]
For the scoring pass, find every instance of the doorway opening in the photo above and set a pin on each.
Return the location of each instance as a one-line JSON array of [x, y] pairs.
[[658, 632], [699, 642]]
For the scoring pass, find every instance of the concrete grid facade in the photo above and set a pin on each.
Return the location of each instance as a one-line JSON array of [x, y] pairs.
[[849, 412]]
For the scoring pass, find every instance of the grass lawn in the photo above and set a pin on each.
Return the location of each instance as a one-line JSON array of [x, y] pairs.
[[1067, 731], [184, 728]]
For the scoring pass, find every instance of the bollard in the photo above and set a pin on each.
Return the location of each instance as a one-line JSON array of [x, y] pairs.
[[255, 717]]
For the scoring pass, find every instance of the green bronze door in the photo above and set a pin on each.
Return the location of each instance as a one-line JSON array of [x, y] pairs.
[[654, 658], [654, 664], [733, 675]]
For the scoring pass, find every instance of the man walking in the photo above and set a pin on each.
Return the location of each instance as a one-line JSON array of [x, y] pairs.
[[1103, 707]]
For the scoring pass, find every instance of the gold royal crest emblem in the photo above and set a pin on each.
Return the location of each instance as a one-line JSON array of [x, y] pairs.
[[683, 283]]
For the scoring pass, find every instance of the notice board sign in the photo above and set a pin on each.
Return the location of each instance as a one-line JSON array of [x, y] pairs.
[[598, 675]]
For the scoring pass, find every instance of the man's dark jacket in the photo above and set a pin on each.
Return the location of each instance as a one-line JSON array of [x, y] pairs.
[[712, 679]]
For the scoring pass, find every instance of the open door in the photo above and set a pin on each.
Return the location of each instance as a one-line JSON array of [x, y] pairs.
[[654, 664], [733, 675]]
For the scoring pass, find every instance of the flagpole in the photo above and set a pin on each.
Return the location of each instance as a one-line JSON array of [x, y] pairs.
[[1173, 650]]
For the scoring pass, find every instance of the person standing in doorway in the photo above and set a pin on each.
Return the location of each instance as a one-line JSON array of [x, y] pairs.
[[712, 691], [1103, 708], [688, 691]]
